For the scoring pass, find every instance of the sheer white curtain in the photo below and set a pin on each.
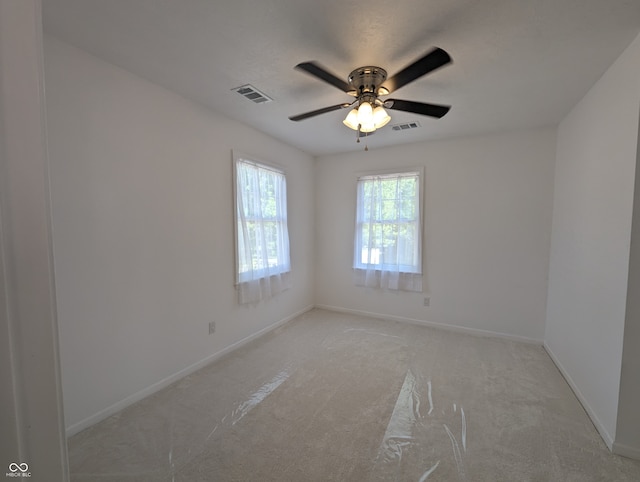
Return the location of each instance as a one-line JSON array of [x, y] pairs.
[[388, 241], [262, 239]]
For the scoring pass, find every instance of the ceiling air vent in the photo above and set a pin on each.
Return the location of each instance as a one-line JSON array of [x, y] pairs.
[[404, 127], [253, 94]]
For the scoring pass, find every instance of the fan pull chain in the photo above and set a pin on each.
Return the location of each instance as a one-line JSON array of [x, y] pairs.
[[366, 134]]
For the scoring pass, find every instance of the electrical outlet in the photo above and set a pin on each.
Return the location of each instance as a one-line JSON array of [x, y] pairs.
[[427, 301], [212, 327]]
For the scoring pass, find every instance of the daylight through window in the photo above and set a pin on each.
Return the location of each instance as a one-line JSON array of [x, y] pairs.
[[262, 238], [387, 248]]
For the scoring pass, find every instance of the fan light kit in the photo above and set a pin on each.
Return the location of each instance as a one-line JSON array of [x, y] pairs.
[[368, 84], [370, 114]]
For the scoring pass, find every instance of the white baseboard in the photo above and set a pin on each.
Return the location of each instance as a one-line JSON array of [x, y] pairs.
[[626, 451], [444, 326], [608, 440], [116, 407]]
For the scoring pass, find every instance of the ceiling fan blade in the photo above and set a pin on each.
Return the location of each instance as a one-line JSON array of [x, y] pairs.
[[432, 110], [433, 60], [321, 73], [324, 110]]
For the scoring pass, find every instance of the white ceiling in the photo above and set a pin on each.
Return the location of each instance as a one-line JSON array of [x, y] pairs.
[[516, 63]]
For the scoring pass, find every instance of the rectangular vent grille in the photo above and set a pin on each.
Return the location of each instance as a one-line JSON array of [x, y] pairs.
[[253, 94], [404, 127]]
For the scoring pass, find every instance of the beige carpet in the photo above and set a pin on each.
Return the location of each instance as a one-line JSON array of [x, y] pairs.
[[335, 397]]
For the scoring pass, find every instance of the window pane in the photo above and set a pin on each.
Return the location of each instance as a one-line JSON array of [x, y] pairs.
[[389, 210], [262, 235], [388, 225]]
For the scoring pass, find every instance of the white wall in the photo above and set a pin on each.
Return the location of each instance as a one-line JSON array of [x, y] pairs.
[[143, 232], [488, 205], [628, 426], [31, 418], [593, 198]]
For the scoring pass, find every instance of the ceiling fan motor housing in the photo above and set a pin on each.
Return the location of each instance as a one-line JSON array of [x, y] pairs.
[[367, 80]]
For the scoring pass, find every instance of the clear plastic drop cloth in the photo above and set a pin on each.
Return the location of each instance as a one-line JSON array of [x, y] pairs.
[[341, 397], [412, 448]]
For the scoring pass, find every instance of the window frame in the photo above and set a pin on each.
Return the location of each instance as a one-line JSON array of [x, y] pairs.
[[265, 272], [357, 248]]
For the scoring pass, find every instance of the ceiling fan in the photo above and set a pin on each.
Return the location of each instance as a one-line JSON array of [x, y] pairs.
[[368, 84]]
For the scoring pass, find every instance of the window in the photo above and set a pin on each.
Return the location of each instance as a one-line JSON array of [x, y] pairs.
[[388, 241], [262, 238]]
